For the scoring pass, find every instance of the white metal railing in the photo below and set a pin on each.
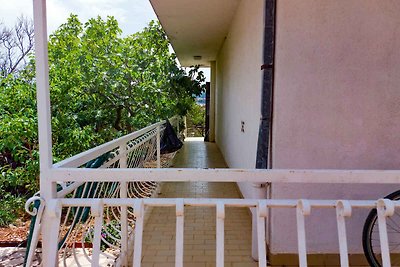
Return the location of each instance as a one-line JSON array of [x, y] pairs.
[[112, 213], [301, 207], [140, 149]]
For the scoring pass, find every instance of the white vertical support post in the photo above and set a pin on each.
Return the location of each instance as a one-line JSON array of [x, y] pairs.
[[158, 146], [179, 232], [47, 189], [303, 209], [124, 210], [42, 85], [220, 234], [137, 250], [97, 212], [343, 209], [213, 88], [261, 217], [158, 156], [384, 208], [53, 215]]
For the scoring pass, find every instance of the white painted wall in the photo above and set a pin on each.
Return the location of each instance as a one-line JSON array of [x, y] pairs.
[[239, 89], [336, 106]]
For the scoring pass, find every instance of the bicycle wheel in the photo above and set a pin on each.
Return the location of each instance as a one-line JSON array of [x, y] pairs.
[[371, 242]]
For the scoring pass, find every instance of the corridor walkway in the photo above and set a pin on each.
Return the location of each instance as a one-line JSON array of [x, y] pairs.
[[199, 236]]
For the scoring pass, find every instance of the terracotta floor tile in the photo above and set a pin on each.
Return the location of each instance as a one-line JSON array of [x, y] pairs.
[[199, 227]]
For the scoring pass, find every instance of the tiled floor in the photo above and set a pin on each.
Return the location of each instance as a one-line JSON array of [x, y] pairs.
[[199, 237]]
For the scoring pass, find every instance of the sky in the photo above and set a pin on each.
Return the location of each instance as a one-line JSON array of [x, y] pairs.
[[132, 15]]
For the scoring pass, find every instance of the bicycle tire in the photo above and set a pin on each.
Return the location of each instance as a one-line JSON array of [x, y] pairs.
[[370, 236]]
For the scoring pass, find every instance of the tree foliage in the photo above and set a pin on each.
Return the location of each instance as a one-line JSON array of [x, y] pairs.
[[19, 166], [113, 85], [196, 121], [102, 86]]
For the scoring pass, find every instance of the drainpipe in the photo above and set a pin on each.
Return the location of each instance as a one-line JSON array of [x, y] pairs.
[[264, 158]]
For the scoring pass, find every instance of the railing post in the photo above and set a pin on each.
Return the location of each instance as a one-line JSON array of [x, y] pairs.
[[343, 209], [261, 242], [137, 250], [124, 157], [384, 208], [158, 146], [124, 210], [51, 221], [180, 206], [97, 213], [303, 209], [220, 235]]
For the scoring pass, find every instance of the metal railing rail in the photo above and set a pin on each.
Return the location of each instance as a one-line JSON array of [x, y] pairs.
[[229, 175], [86, 156], [302, 209]]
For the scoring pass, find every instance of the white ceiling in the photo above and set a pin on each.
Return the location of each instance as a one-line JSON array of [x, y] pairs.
[[196, 27]]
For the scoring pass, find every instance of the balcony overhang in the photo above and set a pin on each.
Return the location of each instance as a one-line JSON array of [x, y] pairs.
[[196, 28]]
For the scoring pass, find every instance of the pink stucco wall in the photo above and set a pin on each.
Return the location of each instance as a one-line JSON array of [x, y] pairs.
[[336, 106]]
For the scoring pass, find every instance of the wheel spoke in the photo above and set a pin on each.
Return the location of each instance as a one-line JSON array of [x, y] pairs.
[[391, 226], [371, 238]]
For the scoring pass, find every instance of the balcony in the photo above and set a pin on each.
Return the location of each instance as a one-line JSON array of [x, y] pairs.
[[334, 120], [75, 237], [115, 214], [102, 216]]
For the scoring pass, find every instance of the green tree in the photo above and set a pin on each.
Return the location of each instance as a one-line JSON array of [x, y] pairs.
[[102, 86], [116, 84], [196, 120], [18, 144]]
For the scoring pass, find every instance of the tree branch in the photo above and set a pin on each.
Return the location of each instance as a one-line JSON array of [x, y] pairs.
[[15, 45]]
